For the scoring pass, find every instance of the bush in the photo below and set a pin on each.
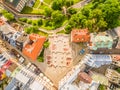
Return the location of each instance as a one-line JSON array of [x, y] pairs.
[[34, 23], [41, 56], [9, 16], [48, 12], [33, 29], [40, 22], [118, 70], [40, 59], [29, 21], [46, 44], [72, 11], [23, 19], [68, 29]]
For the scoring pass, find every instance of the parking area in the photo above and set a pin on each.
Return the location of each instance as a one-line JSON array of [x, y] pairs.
[[4, 62]]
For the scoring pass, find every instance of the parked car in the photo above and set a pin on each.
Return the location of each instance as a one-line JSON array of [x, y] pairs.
[[3, 61], [82, 51], [7, 64]]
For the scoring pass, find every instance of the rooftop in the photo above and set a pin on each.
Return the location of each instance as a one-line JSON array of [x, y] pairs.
[[97, 60], [35, 85], [1, 22], [34, 46], [16, 35], [13, 2], [113, 76], [85, 77], [80, 35], [116, 57], [101, 40], [22, 38], [118, 31]]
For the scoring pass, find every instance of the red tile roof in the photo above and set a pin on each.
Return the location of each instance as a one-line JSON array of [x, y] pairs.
[[85, 77], [1, 22], [80, 35], [116, 57], [34, 47]]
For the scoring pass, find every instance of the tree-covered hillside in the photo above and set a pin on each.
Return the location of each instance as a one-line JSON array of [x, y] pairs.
[[99, 15]]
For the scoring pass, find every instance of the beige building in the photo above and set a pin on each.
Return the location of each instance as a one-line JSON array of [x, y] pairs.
[[113, 76]]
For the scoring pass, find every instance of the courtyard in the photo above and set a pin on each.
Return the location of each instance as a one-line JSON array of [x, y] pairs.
[[59, 52]]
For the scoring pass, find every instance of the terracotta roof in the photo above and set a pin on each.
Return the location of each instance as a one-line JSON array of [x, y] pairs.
[[1, 22], [34, 46], [85, 77], [80, 35], [116, 57]]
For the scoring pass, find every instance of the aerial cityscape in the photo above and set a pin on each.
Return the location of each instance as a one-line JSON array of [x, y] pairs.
[[59, 44]]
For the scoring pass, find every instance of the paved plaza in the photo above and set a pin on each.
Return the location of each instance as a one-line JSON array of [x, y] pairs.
[[59, 53]]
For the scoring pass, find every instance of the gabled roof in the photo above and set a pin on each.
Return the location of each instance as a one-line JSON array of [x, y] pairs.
[[80, 35], [34, 46]]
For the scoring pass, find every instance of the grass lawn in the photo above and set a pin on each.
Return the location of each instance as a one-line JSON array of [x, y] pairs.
[[101, 87], [76, 1], [48, 1], [29, 10], [42, 33], [36, 3], [42, 6]]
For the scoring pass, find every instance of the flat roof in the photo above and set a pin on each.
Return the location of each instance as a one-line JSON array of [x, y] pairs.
[[36, 85], [22, 38], [22, 78]]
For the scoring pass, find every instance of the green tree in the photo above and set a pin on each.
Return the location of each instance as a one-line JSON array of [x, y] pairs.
[[33, 29], [29, 21], [40, 22], [9, 16], [68, 29], [48, 12], [46, 44], [4, 11], [68, 3], [57, 4], [23, 19], [118, 70], [57, 17], [97, 16], [40, 59], [72, 11]]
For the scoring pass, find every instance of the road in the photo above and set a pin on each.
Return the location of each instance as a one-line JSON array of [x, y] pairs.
[[105, 51]]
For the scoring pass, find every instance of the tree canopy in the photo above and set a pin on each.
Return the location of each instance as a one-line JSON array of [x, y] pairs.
[[99, 15]]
